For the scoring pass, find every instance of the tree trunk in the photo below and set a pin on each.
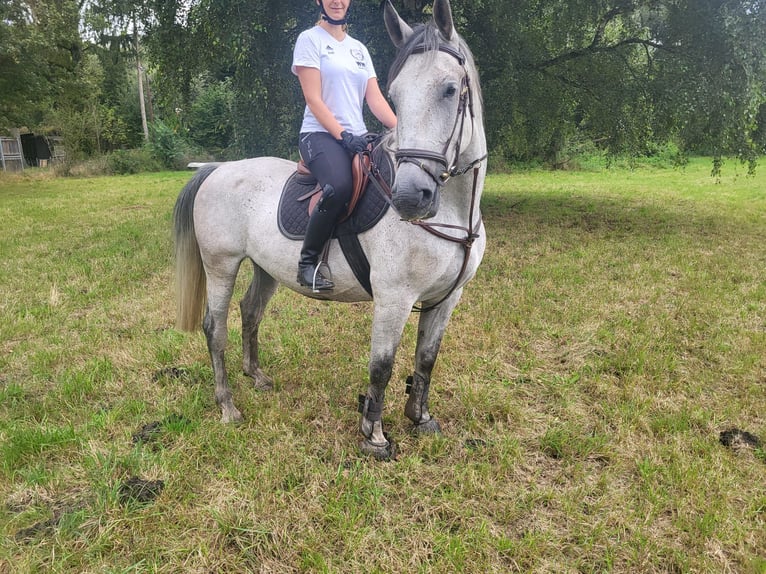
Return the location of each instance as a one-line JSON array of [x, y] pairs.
[[139, 71]]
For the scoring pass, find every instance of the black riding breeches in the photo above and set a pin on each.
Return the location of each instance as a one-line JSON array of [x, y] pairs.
[[330, 163]]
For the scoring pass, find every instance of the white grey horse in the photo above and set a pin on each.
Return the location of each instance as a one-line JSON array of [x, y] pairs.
[[421, 252]]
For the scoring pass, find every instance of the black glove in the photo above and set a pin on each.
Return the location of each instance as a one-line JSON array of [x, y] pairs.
[[352, 143]]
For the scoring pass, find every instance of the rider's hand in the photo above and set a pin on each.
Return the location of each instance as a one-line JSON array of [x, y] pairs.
[[352, 143]]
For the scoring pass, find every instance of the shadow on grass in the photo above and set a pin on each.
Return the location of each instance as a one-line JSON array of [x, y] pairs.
[[551, 214]]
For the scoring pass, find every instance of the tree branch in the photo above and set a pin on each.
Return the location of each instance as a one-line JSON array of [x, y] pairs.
[[604, 22], [595, 49], [596, 45]]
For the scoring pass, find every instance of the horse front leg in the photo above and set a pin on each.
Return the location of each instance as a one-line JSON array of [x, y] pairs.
[[431, 329], [387, 326], [219, 291], [252, 306]]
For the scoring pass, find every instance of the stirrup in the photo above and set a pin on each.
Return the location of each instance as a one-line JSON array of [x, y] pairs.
[[311, 282], [327, 279]]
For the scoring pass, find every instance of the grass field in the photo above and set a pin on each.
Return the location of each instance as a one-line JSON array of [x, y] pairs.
[[615, 329]]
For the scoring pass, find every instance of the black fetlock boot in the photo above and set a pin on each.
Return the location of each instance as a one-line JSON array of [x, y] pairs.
[[319, 230]]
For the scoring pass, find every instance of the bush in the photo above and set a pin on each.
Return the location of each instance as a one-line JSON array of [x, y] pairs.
[[90, 167], [129, 161], [210, 116], [167, 147]]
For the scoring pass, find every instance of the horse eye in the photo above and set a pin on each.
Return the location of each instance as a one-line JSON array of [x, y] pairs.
[[450, 91]]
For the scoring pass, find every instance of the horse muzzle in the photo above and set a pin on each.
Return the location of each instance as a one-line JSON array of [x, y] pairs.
[[414, 195]]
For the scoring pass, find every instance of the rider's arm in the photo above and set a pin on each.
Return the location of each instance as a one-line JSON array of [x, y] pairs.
[[378, 104], [311, 85]]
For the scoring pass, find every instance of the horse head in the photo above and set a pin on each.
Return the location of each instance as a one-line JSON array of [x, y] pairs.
[[434, 86]]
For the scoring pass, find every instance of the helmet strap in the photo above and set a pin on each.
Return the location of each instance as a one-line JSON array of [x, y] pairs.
[[327, 18]]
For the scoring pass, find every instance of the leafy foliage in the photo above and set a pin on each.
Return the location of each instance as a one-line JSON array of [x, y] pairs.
[[129, 161], [209, 117], [625, 74], [628, 76], [167, 147], [40, 50]]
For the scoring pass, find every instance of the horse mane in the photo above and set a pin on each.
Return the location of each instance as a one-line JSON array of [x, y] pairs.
[[428, 35], [425, 34]]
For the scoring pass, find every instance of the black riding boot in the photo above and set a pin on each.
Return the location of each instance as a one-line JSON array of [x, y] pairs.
[[319, 230]]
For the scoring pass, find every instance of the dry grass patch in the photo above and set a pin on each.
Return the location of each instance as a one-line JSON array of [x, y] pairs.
[[615, 329]]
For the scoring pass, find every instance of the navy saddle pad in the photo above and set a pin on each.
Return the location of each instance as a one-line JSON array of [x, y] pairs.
[[293, 216]]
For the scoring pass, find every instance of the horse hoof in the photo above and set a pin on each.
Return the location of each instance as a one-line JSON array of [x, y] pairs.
[[232, 417], [379, 452], [429, 428], [261, 385], [261, 382]]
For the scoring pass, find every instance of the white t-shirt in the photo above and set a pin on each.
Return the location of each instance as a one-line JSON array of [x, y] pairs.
[[344, 67]]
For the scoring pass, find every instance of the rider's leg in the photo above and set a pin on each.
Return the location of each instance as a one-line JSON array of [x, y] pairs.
[[331, 165], [321, 224]]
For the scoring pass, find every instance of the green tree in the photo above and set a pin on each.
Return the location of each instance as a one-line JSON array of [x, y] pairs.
[[78, 115], [40, 50], [249, 44], [627, 74], [209, 118]]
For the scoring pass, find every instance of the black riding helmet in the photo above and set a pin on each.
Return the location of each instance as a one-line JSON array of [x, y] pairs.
[[325, 16]]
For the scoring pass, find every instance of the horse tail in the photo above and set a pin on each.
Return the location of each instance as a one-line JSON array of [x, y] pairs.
[[190, 274]]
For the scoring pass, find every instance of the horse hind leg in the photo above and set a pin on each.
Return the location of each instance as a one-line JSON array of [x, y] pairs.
[[252, 306], [220, 286]]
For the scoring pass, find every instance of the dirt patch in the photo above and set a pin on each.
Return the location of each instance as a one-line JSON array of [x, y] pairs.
[[475, 443], [46, 527], [134, 490], [152, 431], [172, 373], [737, 439], [743, 443], [138, 490], [58, 509]]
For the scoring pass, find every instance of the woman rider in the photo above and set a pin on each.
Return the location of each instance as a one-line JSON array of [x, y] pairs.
[[336, 76]]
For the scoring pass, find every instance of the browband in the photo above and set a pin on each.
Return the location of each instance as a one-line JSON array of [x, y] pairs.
[[446, 48]]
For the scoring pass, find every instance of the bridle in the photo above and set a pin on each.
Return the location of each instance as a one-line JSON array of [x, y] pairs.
[[451, 169], [465, 106]]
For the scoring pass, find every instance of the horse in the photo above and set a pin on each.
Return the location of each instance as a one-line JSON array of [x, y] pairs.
[[421, 252]]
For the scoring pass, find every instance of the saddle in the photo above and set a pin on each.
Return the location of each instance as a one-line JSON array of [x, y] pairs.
[[367, 206], [360, 168], [302, 192]]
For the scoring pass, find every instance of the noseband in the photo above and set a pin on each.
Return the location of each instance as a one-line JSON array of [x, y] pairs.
[[465, 106]]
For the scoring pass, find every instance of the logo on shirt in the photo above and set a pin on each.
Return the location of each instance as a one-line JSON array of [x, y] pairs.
[[329, 49], [358, 55]]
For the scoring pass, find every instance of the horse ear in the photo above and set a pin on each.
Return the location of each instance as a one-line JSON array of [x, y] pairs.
[[443, 19], [397, 28]]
